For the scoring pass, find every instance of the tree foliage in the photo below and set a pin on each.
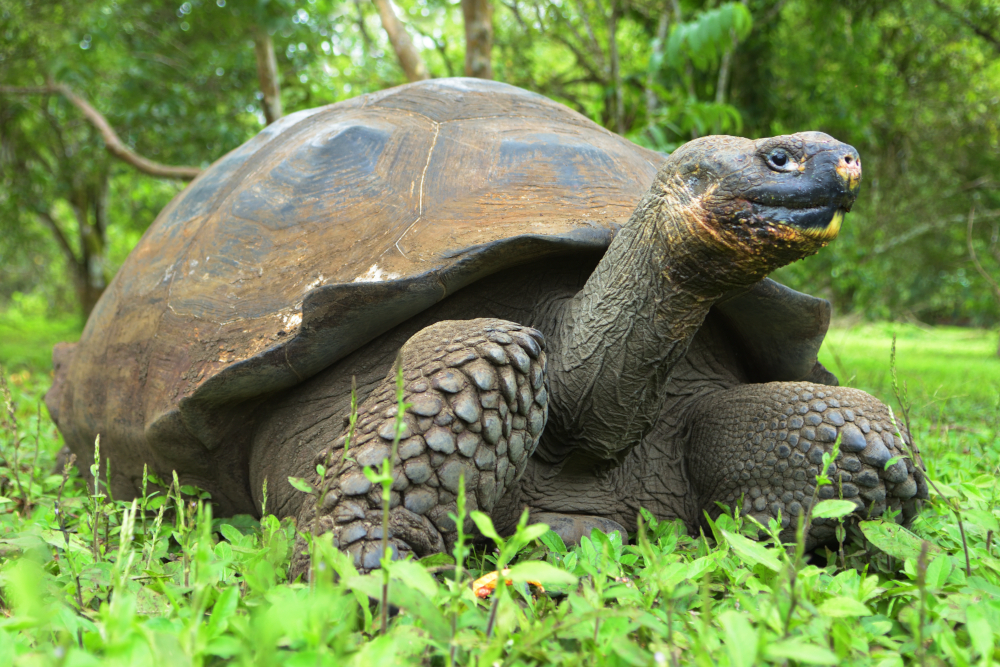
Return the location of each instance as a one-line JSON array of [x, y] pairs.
[[705, 39], [914, 85]]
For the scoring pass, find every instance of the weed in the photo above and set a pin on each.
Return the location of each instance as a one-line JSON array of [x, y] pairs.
[[86, 576]]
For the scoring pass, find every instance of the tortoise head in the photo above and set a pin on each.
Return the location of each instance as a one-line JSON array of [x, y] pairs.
[[768, 201]]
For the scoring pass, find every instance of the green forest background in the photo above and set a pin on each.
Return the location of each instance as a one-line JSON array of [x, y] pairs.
[[914, 85]]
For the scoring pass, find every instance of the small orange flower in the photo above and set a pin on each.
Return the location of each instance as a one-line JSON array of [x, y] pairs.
[[487, 583]]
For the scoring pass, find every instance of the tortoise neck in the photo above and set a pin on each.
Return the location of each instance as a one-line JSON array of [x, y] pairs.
[[620, 337]]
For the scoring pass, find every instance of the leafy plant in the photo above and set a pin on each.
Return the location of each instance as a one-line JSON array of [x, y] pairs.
[[170, 583]]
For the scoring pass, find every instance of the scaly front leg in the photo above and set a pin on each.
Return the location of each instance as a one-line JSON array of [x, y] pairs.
[[478, 404]]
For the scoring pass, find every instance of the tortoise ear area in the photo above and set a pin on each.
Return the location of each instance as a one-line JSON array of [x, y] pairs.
[[707, 161]]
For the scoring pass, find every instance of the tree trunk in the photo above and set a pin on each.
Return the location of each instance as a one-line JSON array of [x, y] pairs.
[[89, 206], [722, 85], [994, 284], [267, 74], [616, 77], [409, 57], [657, 55], [478, 16], [362, 29]]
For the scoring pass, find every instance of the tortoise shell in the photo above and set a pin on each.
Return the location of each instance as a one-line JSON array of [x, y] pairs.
[[334, 225]]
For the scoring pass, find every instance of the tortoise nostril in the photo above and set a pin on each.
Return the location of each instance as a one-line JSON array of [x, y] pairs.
[[848, 159]]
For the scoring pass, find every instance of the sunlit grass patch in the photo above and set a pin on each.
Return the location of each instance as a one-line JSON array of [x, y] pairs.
[[27, 335], [942, 366]]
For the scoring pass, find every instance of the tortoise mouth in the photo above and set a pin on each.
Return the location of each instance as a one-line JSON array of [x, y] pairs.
[[820, 222]]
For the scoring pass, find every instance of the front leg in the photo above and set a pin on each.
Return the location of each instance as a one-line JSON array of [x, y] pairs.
[[762, 445], [478, 404]]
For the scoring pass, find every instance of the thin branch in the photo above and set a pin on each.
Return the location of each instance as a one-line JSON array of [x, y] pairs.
[[440, 45], [923, 228], [581, 58], [974, 27], [115, 145], [594, 45], [362, 29], [517, 14], [67, 249]]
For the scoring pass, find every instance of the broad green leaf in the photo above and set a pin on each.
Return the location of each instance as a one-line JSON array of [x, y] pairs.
[[801, 652], [938, 571], [622, 592], [705, 38], [437, 560], [894, 539], [755, 553], [832, 509], [416, 576], [413, 602], [529, 533], [231, 533], [224, 607], [671, 574], [876, 625], [979, 629], [57, 539], [985, 520], [542, 572], [223, 551], [553, 541], [369, 584], [485, 525], [300, 484], [842, 606], [224, 647], [5, 500], [390, 649], [699, 566], [741, 639]]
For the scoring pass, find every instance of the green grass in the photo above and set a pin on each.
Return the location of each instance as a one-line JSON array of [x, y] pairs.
[[945, 368], [27, 335], [107, 582]]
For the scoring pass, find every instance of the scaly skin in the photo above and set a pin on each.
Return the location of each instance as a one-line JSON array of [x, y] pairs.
[[477, 407], [759, 447], [721, 214], [693, 238]]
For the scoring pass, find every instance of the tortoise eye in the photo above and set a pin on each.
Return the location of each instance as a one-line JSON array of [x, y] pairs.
[[778, 158]]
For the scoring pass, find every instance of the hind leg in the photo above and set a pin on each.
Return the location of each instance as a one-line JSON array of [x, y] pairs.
[[477, 407], [763, 444]]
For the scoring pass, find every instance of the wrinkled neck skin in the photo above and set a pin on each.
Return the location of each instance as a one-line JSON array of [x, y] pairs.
[[620, 337]]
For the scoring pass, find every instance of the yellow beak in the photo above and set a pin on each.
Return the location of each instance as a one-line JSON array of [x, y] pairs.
[[829, 232]]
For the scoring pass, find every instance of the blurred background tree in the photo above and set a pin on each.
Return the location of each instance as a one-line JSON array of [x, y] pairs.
[[913, 84]]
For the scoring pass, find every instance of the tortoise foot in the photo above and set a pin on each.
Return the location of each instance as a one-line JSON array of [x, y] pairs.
[[477, 404], [766, 443]]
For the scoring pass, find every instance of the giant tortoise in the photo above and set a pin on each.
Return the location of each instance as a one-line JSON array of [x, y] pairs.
[[584, 327]]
